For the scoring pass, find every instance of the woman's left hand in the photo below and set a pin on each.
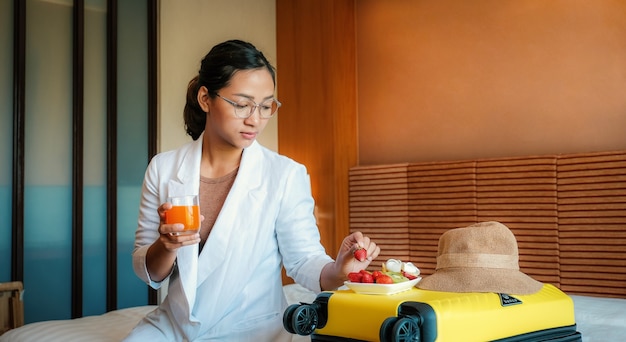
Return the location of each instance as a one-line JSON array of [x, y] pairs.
[[335, 273], [347, 262]]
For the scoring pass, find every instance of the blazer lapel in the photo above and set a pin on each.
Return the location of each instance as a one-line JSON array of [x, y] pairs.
[[227, 238], [187, 179]]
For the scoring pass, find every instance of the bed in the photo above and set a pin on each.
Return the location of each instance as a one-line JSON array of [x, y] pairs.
[[568, 213], [111, 326], [114, 325]]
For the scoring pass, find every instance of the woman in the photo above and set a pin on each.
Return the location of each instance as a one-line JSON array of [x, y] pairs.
[[225, 281]]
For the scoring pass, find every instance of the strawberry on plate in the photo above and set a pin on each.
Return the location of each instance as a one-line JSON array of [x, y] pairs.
[[409, 275], [355, 277], [367, 278], [384, 279]]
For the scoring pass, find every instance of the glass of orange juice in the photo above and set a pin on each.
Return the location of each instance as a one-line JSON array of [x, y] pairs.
[[185, 210]]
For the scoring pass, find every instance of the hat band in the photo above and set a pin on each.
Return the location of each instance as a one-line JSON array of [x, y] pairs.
[[478, 260]]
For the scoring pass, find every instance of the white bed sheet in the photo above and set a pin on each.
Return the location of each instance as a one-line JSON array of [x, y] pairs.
[[115, 325], [111, 326], [600, 319]]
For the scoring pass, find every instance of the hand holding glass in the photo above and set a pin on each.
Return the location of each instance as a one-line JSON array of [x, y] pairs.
[[185, 210]]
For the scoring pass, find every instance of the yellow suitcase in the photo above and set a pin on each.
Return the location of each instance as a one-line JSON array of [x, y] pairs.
[[429, 316]]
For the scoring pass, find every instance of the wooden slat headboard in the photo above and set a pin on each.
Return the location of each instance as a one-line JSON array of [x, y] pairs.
[[568, 212], [592, 223]]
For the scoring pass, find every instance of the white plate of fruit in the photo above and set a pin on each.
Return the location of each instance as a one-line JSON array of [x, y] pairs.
[[396, 276]]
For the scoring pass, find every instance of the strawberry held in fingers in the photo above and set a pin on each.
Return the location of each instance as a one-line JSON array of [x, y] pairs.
[[360, 254]]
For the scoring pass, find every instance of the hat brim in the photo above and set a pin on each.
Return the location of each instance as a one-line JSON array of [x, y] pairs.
[[480, 280]]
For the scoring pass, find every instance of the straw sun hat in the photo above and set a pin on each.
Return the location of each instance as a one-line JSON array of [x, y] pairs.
[[480, 258]]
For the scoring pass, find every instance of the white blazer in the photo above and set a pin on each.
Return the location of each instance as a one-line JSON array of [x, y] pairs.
[[234, 285]]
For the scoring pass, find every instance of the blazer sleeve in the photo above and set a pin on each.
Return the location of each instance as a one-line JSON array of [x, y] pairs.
[[297, 232], [148, 222]]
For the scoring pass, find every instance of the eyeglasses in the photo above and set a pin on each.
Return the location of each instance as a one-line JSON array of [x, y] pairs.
[[245, 109]]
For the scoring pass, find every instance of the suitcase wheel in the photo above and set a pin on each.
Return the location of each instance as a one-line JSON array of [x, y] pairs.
[[301, 319], [406, 329], [386, 328], [400, 329], [287, 317]]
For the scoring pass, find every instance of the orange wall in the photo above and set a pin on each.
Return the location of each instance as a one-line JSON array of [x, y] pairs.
[[453, 79]]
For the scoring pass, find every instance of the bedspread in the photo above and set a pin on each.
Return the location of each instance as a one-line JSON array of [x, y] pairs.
[[111, 326]]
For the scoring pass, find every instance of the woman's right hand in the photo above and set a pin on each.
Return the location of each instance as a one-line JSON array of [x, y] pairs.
[[161, 255], [171, 235]]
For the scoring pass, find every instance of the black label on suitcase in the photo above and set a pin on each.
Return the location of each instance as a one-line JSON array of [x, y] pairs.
[[508, 300]]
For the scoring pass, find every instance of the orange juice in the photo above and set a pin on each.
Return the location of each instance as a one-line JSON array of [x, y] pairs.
[[189, 215]]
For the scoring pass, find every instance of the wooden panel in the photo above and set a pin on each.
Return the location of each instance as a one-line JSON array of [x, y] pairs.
[[316, 77], [521, 193], [441, 197], [592, 223], [379, 208]]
